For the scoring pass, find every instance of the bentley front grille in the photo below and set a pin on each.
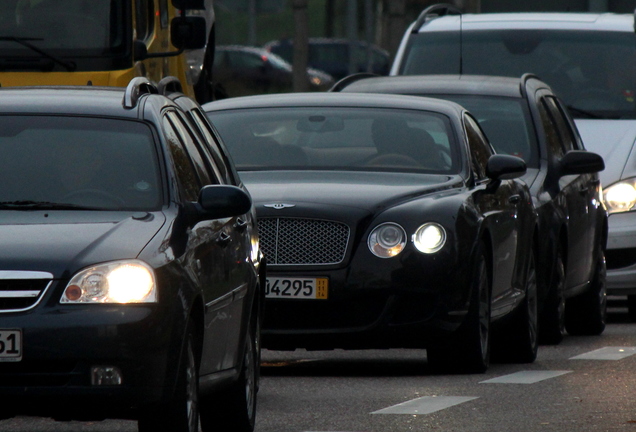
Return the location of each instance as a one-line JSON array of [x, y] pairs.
[[22, 290], [290, 241]]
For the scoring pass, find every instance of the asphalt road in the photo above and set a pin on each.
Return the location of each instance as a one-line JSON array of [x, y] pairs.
[[583, 384]]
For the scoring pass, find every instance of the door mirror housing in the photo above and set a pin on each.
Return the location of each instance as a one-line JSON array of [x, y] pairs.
[[580, 162], [505, 167], [223, 201]]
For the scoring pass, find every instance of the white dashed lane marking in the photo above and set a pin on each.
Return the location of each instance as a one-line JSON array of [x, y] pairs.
[[607, 353], [525, 377], [425, 405]]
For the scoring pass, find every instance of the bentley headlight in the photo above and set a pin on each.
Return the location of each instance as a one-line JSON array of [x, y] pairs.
[[387, 240], [429, 238], [620, 197], [117, 282]]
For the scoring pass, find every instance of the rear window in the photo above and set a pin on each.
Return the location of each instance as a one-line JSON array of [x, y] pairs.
[[593, 72]]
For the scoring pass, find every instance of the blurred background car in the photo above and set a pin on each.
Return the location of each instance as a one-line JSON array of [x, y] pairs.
[[243, 70], [588, 59], [523, 117], [333, 55]]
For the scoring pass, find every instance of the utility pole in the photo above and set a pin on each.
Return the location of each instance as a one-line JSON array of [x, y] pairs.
[[352, 34], [251, 17], [301, 46]]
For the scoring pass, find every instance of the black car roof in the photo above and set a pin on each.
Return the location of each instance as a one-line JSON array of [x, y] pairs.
[[442, 84], [66, 100], [336, 100]]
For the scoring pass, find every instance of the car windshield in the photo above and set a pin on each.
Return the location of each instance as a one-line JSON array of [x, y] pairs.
[[593, 72], [90, 163], [506, 122], [59, 26], [339, 139]]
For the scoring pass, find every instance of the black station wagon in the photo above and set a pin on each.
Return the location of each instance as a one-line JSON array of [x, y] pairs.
[[130, 268]]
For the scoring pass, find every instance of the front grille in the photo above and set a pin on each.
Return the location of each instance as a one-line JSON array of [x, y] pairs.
[[22, 290], [37, 373], [289, 241]]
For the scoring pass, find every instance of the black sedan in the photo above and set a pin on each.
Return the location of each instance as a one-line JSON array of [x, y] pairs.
[[523, 117], [130, 271], [387, 221]]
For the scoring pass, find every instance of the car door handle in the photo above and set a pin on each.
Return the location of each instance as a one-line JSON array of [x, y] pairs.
[[514, 199], [223, 239], [240, 224]]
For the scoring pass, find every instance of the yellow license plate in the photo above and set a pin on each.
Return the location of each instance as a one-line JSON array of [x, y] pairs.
[[297, 288]]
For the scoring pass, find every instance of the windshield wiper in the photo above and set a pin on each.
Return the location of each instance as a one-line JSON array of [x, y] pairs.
[[41, 205], [69, 66], [581, 112]]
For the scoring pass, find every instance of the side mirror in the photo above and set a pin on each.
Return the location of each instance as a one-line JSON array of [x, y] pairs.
[[221, 201], [505, 167], [140, 50], [188, 32], [580, 162]]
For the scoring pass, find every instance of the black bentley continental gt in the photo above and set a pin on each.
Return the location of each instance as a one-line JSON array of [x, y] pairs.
[[130, 271], [387, 221]]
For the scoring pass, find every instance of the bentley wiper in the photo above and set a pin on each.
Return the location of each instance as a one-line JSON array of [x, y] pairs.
[[69, 66], [581, 112], [41, 205]]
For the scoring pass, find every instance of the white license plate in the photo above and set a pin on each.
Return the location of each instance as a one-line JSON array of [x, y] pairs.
[[10, 345], [297, 288]]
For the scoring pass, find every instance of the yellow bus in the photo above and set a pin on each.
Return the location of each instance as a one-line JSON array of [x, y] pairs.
[[107, 42]]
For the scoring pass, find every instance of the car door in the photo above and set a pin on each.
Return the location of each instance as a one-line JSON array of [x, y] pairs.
[[500, 213], [577, 192], [242, 272], [207, 260]]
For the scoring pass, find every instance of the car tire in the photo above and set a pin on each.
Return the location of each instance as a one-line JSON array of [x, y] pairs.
[[631, 308], [182, 413], [469, 349], [552, 319], [586, 314], [235, 408], [518, 341]]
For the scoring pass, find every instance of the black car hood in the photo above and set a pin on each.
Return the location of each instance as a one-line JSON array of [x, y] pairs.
[[61, 242], [367, 192]]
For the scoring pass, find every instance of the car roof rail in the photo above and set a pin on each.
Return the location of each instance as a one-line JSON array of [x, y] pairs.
[[435, 11], [524, 79], [169, 84], [136, 88], [343, 82]]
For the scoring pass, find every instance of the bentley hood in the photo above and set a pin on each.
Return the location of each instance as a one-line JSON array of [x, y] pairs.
[[357, 192], [614, 141], [62, 242]]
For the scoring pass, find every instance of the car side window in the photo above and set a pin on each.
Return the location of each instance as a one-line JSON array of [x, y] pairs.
[[563, 128], [187, 137], [213, 148], [189, 184], [577, 140], [480, 149], [553, 140]]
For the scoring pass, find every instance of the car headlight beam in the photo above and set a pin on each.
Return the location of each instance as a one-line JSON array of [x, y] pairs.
[[429, 238], [620, 197], [387, 240], [122, 282]]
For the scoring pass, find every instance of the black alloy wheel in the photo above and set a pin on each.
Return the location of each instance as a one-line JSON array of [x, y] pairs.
[[586, 314], [469, 350], [182, 414], [552, 320]]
